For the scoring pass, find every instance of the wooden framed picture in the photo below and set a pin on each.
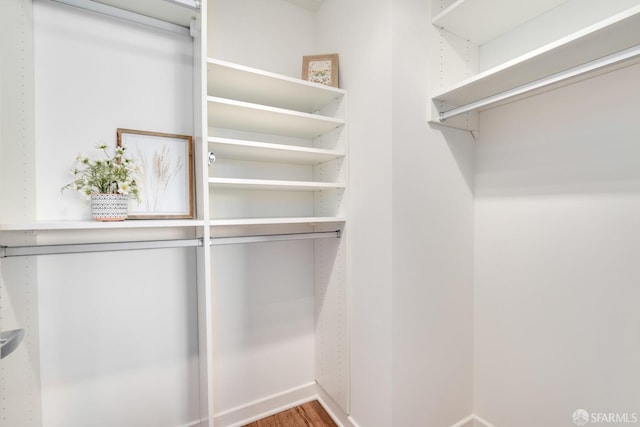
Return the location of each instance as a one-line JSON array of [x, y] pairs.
[[321, 69], [166, 181]]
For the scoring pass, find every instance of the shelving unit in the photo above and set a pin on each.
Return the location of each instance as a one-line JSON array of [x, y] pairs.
[[281, 169], [172, 32], [275, 119], [607, 45]]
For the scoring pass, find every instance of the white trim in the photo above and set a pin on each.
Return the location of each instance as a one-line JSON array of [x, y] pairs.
[[337, 414], [463, 422], [252, 411], [473, 417], [261, 408], [197, 423], [483, 421]]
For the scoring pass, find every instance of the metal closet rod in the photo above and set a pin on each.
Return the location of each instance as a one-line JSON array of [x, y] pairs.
[[600, 64], [138, 18], [76, 248]]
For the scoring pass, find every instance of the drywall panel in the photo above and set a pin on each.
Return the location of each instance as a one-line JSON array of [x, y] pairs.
[[556, 276], [94, 74], [269, 35]]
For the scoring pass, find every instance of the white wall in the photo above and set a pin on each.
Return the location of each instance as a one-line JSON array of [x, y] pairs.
[[411, 217], [270, 35], [118, 342], [556, 241], [432, 241]]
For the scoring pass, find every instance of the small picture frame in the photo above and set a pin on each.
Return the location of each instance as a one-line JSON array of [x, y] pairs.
[[321, 69], [166, 182]]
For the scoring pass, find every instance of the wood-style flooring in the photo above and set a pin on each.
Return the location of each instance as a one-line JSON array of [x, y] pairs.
[[310, 414]]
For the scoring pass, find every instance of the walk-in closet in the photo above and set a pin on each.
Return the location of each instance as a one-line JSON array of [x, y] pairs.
[[445, 235]]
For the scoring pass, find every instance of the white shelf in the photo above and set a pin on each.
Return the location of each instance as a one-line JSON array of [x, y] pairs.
[[267, 152], [272, 185], [276, 221], [245, 116], [611, 35], [232, 81], [482, 20], [97, 225]]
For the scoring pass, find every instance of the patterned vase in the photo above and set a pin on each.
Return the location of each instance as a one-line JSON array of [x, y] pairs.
[[109, 207]]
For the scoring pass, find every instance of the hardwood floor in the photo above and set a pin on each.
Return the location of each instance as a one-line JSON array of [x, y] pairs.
[[310, 414]]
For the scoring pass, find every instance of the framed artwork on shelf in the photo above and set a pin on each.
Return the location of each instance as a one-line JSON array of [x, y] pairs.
[[321, 69], [166, 180]]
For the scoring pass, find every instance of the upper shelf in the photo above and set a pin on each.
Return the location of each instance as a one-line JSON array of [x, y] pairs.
[[232, 114], [227, 80], [497, 17], [617, 35]]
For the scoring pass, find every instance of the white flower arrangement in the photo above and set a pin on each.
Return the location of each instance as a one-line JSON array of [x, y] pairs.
[[114, 174]]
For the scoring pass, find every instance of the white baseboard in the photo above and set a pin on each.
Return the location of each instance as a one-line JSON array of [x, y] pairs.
[[279, 402], [472, 421], [333, 409], [199, 423], [481, 422]]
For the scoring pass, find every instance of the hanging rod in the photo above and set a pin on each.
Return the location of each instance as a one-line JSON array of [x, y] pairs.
[[127, 15], [76, 248], [599, 64], [274, 237]]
